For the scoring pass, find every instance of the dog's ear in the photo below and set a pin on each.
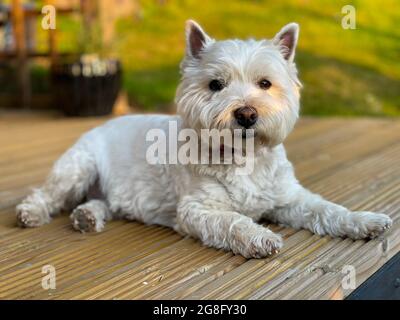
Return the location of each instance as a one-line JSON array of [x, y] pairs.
[[196, 39], [286, 39]]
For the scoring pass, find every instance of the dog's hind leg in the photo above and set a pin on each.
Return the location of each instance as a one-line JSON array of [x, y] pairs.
[[66, 185], [90, 216]]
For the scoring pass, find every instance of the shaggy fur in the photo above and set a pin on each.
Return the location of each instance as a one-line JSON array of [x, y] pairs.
[[209, 202]]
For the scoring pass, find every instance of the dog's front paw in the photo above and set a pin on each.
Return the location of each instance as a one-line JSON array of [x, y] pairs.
[[368, 224], [260, 244], [30, 215]]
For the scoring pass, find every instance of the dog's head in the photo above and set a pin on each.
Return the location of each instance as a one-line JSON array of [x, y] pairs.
[[240, 84]]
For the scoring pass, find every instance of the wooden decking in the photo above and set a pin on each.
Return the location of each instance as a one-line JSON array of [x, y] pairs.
[[353, 162]]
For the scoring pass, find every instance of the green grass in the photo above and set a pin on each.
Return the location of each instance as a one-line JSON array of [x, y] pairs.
[[344, 72]]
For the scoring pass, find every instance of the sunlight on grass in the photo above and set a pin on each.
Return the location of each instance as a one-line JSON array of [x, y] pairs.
[[347, 72]]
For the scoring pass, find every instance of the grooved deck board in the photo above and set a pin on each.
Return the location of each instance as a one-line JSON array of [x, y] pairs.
[[354, 162]]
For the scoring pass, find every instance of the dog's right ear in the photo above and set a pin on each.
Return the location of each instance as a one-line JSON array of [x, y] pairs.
[[196, 39]]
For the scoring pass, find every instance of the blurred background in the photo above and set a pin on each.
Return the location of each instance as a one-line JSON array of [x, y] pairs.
[[123, 55]]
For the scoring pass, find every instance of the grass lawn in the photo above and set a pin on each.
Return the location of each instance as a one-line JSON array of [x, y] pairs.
[[344, 72]]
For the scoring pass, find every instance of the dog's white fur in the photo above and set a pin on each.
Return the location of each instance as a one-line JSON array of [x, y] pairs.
[[209, 202]]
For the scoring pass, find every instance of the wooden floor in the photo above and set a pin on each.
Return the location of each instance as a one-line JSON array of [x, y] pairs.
[[353, 162]]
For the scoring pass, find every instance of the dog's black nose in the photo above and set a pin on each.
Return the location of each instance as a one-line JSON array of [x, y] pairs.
[[246, 116]]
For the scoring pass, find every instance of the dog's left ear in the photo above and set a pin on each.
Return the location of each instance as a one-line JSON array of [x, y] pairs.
[[196, 39], [286, 39]]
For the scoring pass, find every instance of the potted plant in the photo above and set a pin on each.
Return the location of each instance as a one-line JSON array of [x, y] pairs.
[[87, 85]]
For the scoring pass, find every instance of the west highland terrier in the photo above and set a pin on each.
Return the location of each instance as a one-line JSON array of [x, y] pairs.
[[231, 84]]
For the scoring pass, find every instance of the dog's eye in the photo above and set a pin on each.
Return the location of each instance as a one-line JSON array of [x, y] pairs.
[[216, 85], [264, 84]]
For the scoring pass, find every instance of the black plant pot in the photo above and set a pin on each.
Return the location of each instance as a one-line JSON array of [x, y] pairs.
[[86, 88]]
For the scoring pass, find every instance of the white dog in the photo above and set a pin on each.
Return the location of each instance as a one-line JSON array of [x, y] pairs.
[[230, 84]]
